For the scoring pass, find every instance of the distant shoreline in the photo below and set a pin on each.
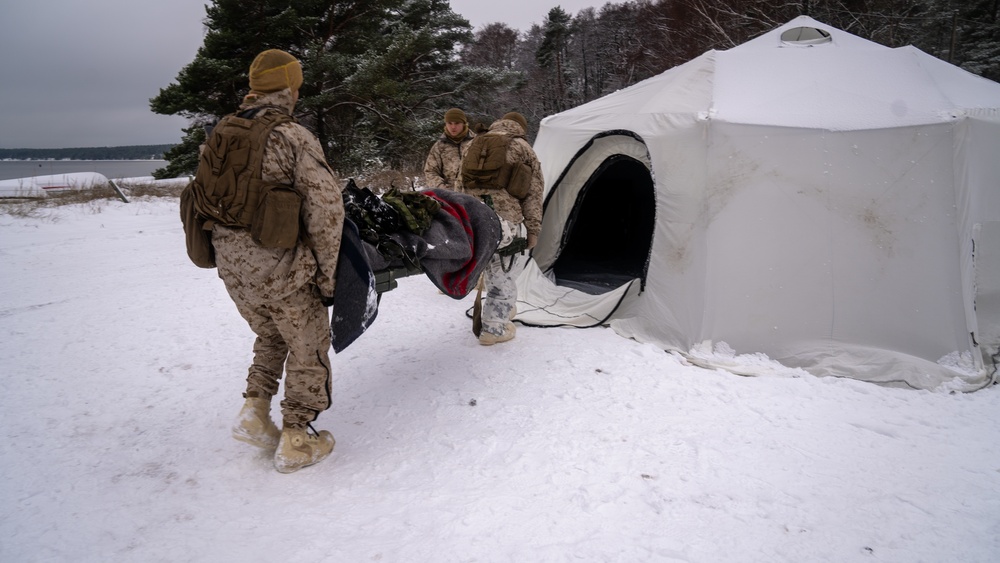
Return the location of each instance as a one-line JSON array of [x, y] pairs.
[[134, 152], [83, 160], [11, 169]]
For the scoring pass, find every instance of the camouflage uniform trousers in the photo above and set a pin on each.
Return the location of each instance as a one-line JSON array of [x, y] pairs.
[[501, 290], [292, 333]]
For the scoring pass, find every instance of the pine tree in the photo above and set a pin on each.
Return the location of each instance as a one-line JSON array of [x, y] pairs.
[[182, 159], [552, 57], [396, 91], [377, 73], [213, 84], [496, 53]]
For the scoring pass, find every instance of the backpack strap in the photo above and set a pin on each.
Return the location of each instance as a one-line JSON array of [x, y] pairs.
[[269, 121], [266, 123]]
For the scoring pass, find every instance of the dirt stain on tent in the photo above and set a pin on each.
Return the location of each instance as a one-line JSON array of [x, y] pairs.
[[735, 176], [883, 235]]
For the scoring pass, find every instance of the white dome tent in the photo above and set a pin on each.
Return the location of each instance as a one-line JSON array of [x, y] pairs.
[[812, 196]]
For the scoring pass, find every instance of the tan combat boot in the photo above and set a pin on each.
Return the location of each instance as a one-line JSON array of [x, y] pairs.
[[489, 339], [301, 447], [254, 425]]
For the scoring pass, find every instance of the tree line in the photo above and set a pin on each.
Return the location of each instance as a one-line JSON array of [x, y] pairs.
[[379, 74]]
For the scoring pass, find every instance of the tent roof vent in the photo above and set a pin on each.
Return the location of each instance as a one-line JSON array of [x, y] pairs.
[[805, 37]]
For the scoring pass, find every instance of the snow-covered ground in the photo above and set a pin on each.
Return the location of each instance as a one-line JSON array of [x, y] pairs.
[[123, 367]]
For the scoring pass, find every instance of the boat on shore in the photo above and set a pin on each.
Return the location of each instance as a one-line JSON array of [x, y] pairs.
[[42, 186]]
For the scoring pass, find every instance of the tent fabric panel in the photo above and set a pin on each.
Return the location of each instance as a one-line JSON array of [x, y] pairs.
[[768, 239], [823, 89], [973, 95], [977, 179], [675, 293], [690, 85], [797, 254], [986, 278], [899, 194]]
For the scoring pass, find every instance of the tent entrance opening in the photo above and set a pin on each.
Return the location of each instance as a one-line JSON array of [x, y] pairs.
[[609, 235]]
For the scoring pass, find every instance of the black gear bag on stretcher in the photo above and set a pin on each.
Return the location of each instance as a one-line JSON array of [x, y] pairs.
[[460, 237]]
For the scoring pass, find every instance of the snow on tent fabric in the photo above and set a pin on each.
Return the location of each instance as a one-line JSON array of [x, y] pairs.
[[814, 197]]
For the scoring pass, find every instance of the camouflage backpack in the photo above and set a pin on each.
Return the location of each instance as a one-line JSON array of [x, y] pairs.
[[485, 166], [228, 190]]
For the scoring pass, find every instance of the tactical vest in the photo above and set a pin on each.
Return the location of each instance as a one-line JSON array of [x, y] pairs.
[[228, 189], [485, 166]]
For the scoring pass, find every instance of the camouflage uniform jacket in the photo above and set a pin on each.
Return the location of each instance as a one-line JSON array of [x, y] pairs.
[[528, 210], [293, 157], [444, 162]]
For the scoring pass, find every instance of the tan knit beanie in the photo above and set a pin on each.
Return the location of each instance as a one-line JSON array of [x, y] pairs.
[[275, 70], [514, 116], [455, 115]]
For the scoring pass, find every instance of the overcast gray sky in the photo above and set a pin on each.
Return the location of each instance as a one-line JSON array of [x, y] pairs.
[[80, 73]]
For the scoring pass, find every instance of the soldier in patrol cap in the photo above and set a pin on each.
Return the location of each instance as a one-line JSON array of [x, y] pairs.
[[444, 161]]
